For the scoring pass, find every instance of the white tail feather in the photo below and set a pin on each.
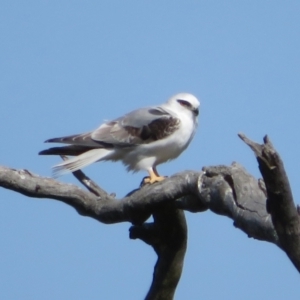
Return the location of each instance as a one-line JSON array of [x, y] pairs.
[[80, 161]]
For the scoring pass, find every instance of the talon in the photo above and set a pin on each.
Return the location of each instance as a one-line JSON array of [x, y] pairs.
[[154, 177]]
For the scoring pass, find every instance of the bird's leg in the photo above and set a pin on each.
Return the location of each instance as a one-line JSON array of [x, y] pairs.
[[155, 172], [153, 176]]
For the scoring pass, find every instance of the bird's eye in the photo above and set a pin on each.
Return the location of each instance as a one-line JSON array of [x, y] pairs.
[[184, 103]]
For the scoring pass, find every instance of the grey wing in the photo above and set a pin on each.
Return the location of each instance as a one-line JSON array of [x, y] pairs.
[[141, 126]]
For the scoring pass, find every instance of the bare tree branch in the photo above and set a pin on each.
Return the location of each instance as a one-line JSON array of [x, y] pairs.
[[225, 190], [280, 202], [228, 191], [135, 208], [232, 192], [168, 237]]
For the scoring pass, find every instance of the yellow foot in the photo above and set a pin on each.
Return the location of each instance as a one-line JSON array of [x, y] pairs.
[[153, 179]]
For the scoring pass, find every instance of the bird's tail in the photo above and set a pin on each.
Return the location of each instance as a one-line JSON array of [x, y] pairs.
[[81, 161], [67, 150]]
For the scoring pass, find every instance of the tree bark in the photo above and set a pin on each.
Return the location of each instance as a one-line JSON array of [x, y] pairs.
[[225, 190], [280, 202], [168, 237]]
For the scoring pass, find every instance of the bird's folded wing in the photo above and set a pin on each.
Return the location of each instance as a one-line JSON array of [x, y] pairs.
[[141, 126], [83, 139]]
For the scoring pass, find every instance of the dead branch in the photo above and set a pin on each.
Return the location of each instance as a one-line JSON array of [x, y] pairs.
[[168, 237], [225, 190], [280, 203]]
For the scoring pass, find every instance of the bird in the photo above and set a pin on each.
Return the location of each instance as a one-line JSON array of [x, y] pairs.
[[141, 139]]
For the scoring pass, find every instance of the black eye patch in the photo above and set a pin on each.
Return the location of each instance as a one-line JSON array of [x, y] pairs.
[[184, 103]]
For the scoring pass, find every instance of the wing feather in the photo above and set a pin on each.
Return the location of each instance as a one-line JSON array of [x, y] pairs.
[[142, 126]]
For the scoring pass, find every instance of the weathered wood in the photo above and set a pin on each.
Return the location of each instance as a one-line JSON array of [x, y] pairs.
[[228, 191], [168, 237], [280, 202], [225, 190]]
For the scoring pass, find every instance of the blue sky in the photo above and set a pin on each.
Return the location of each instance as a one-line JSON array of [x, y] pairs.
[[66, 66]]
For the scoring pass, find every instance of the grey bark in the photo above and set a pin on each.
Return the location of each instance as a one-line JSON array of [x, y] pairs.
[[226, 190], [280, 202]]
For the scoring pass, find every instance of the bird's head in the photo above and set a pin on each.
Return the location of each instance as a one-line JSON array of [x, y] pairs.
[[185, 101]]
